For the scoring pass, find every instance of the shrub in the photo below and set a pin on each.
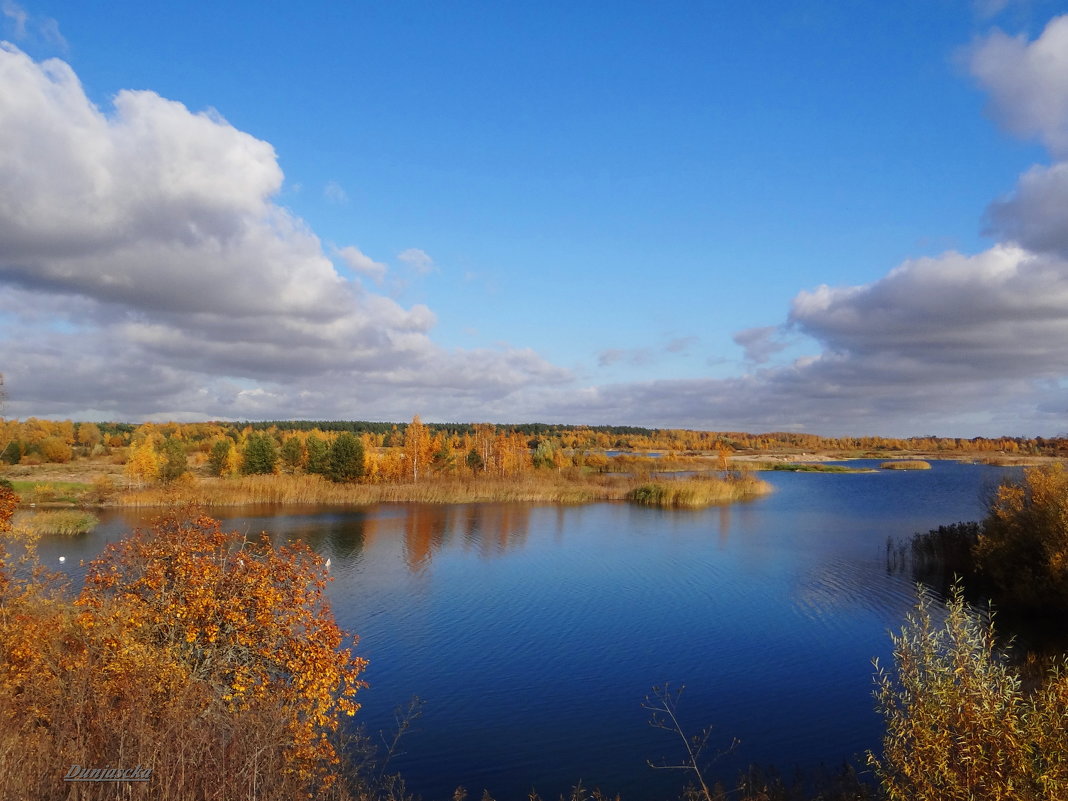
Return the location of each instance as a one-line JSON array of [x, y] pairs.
[[242, 628], [1023, 546], [958, 725], [54, 449]]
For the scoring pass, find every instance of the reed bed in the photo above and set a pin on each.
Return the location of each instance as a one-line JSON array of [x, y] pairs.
[[906, 464], [697, 492], [68, 522], [566, 487]]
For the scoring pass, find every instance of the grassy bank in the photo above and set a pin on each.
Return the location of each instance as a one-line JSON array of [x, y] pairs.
[[906, 464], [570, 487], [69, 522]]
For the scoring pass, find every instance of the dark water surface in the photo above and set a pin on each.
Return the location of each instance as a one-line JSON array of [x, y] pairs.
[[534, 632]]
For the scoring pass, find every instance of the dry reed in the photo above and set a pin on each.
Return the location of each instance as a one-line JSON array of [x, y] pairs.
[[906, 464], [565, 487], [697, 492], [57, 521]]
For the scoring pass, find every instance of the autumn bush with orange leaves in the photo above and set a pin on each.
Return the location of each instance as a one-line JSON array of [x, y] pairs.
[[208, 659]]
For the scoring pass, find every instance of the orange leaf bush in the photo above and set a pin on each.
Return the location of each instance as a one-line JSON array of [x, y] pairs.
[[245, 618], [208, 659]]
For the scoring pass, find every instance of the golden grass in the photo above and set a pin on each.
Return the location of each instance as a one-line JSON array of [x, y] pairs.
[[906, 464], [697, 492], [57, 521], [567, 487]]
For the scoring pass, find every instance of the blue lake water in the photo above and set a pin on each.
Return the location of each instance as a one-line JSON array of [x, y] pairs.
[[533, 632]]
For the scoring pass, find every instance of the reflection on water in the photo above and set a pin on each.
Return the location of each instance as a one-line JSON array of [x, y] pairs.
[[534, 632]]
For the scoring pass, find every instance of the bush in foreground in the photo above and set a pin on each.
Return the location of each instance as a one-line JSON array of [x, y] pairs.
[[212, 662], [959, 726]]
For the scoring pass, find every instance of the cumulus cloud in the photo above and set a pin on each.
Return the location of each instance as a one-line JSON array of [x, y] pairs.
[[418, 260], [360, 263], [1035, 215], [1027, 82], [147, 269], [957, 344]]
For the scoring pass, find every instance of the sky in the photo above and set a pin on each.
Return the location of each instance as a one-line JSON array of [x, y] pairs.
[[831, 216]]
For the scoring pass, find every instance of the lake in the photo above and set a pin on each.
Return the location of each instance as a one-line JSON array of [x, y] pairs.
[[534, 632]]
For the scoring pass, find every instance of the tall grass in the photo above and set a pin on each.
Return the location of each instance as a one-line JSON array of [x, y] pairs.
[[50, 491], [568, 487], [69, 522], [906, 464], [697, 492]]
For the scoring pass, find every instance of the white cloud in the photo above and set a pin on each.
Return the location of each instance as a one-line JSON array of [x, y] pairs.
[[1035, 216], [418, 260], [360, 263], [1027, 82], [146, 267], [147, 271]]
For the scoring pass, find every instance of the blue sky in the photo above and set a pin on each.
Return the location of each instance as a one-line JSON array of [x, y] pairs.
[[571, 212]]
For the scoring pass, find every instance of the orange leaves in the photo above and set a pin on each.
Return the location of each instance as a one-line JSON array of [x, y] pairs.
[[247, 619], [8, 503], [1023, 545], [213, 661]]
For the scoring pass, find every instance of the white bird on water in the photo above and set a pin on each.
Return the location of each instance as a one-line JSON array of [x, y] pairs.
[[63, 559], [326, 564]]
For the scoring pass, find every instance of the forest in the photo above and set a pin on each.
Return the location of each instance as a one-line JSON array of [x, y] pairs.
[[395, 451]]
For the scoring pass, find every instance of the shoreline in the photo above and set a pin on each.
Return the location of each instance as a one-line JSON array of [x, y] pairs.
[[98, 483]]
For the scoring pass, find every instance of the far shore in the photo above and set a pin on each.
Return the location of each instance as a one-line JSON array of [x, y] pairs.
[[101, 483]]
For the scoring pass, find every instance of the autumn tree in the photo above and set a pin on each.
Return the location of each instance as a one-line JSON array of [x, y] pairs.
[[173, 461], [417, 448], [89, 435], [218, 455], [143, 463], [292, 454], [248, 621], [55, 449], [346, 458]]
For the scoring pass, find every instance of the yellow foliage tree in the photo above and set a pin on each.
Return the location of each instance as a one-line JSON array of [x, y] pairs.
[[418, 449], [143, 464], [247, 620]]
